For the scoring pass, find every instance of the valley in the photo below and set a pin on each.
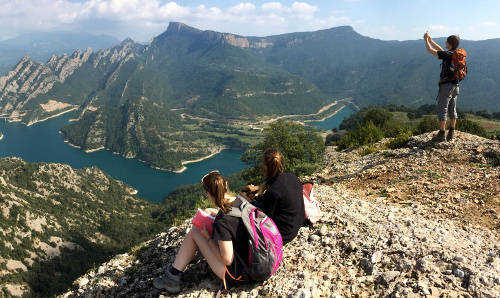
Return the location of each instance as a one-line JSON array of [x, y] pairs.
[[190, 92]]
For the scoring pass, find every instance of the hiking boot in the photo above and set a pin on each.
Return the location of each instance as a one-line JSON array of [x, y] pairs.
[[171, 283], [451, 132], [440, 136]]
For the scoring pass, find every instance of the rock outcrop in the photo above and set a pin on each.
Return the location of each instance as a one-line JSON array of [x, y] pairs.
[[218, 37], [416, 221], [56, 221], [24, 89]]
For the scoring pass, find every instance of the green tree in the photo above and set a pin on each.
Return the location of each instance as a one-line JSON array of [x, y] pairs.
[[302, 149], [365, 134]]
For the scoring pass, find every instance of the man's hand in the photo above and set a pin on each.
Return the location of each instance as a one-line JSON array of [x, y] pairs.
[[427, 36], [252, 188]]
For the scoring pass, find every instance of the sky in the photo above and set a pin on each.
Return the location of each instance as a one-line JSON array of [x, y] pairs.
[[143, 19]]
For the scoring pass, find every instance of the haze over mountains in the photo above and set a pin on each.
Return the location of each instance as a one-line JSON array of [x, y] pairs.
[[177, 97], [41, 45]]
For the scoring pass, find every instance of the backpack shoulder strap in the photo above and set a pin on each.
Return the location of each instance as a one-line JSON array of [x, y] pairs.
[[238, 212]]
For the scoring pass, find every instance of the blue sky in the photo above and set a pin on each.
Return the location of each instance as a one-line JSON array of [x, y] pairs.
[[143, 19]]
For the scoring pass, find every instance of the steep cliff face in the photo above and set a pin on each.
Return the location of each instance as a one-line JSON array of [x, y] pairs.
[[56, 221], [218, 37], [412, 222], [27, 90]]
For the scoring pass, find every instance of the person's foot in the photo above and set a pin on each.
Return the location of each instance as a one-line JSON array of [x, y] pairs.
[[440, 136], [451, 132], [171, 283]]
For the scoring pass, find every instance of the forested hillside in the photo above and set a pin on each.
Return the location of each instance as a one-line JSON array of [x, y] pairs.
[[55, 222], [189, 92]]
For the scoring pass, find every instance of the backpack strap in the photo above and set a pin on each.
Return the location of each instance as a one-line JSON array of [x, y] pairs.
[[237, 212]]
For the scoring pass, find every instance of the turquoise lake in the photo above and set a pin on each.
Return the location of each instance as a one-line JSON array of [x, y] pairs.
[[41, 142]]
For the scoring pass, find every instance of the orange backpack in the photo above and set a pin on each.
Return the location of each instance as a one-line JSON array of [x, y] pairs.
[[459, 61]]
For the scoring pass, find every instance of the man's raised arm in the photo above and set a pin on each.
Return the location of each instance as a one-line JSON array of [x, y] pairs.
[[431, 46]]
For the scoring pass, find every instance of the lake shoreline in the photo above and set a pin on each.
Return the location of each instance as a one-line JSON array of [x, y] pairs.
[[327, 116], [52, 116], [185, 162], [176, 171]]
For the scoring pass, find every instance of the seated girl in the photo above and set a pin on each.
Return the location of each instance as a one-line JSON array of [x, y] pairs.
[[223, 251], [280, 197]]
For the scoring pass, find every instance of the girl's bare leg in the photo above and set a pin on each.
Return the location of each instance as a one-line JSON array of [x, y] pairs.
[[210, 252], [186, 253]]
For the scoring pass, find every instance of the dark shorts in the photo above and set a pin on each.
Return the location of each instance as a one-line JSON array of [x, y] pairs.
[[447, 101]]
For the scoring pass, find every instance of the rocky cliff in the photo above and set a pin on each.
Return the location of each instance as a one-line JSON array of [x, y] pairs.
[[416, 221], [32, 92], [55, 222]]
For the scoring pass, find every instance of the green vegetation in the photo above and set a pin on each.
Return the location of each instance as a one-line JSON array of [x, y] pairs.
[[144, 103], [301, 146], [53, 204], [399, 123]]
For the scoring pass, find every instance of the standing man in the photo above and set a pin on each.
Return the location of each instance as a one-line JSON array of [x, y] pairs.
[[448, 84]]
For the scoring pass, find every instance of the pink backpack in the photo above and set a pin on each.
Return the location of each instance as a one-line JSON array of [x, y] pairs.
[[311, 205], [265, 242]]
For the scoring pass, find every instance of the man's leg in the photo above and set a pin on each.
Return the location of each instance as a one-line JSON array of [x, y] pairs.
[[443, 101], [452, 111], [442, 125], [453, 123]]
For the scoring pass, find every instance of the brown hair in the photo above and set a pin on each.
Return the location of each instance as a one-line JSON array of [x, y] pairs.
[[217, 187], [454, 41], [273, 165], [273, 162]]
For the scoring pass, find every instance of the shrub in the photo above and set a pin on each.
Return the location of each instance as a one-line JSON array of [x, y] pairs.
[[471, 127], [370, 149], [333, 138], [427, 124], [400, 140], [363, 135], [376, 115], [302, 149]]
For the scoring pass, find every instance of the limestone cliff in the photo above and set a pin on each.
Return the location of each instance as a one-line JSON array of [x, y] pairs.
[[29, 87]]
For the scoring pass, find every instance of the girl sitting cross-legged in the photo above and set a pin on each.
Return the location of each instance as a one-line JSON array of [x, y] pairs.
[[229, 237]]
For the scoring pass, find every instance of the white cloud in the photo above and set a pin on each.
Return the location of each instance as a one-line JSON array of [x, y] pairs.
[[242, 8], [304, 8], [142, 19], [273, 6]]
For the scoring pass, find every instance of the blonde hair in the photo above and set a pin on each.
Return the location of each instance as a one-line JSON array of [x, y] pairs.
[[217, 187]]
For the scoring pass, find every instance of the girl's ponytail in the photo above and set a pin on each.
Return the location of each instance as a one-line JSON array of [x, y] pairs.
[[217, 187]]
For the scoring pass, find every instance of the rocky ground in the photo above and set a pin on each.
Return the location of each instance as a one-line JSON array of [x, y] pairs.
[[394, 225]]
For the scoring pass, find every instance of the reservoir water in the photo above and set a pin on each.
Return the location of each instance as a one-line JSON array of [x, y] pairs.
[[333, 122], [41, 142]]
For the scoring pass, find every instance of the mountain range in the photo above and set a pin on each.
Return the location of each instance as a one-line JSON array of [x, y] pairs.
[[41, 45], [186, 93]]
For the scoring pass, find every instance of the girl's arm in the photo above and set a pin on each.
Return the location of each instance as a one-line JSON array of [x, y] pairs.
[[226, 251]]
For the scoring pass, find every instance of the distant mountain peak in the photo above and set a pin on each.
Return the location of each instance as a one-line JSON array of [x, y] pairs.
[[178, 27], [127, 40]]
